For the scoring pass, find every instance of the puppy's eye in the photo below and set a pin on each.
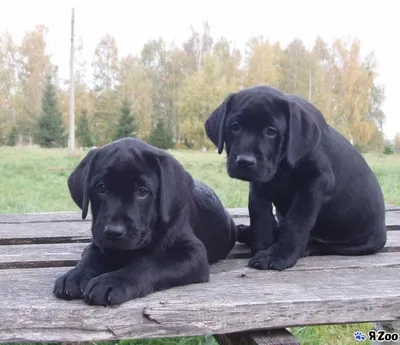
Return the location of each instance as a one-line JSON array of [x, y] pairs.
[[101, 188], [142, 192], [270, 131], [235, 126]]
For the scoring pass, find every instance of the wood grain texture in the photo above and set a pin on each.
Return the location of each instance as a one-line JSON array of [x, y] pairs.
[[45, 232], [74, 216], [271, 337], [68, 254], [57, 232], [393, 220], [40, 255], [267, 300], [77, 231], [390, 207]]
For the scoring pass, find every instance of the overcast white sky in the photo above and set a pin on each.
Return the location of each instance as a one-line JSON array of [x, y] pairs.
[[133, 22]]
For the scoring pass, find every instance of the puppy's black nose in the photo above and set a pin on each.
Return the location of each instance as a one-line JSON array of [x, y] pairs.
[[114, 231], [246, 161]]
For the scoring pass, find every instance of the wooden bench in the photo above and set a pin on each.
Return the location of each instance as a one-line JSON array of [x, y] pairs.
[[234, 306]]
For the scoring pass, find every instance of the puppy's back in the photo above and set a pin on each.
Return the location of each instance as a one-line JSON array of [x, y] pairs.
[[357, 200], [212, 223]]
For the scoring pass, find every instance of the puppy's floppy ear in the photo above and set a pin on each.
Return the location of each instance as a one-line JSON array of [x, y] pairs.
[[176, 187], [215, 124], [303, 131], [78, 182]]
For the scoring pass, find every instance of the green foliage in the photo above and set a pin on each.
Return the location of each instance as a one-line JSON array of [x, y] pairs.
[[397, 141], [12, 137], [50, 127], [83, 133], [361, 148], [48, 170], [161, 136], [127, 125], [105, 114], [388, 149], [181, 85]]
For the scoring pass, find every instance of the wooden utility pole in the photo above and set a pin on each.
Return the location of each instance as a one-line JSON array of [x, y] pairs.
[[71, 137], [309, 84]]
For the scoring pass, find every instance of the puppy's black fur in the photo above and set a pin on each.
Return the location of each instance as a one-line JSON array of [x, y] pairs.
[[153, 227], [327, 198]]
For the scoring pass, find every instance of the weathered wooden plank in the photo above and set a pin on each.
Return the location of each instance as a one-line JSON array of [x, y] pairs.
[[391, 207], [74, 216], [270, 337], [49, 232], [267, 300], [40, 255], [68, 254], [45, 232], [392, 245], [79, 231], [51, 217], [393, 220], [315, 263]]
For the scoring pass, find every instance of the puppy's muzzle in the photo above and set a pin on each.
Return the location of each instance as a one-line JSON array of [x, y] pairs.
[[246, 161], [114, 231]]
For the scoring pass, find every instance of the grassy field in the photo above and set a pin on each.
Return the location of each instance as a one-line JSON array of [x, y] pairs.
[[34, 180]]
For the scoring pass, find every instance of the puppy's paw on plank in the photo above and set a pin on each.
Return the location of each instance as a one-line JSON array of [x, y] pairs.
[[277, 257], [111, 289], [71, 285]]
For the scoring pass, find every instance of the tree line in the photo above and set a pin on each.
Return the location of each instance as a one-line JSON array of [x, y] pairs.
[[164, 94]]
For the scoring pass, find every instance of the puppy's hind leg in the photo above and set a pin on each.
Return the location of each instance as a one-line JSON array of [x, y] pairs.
[[316, 248], [371, 246]]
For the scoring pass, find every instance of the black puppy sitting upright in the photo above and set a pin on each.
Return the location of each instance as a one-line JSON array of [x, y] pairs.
[[153, 227], [328, 200]]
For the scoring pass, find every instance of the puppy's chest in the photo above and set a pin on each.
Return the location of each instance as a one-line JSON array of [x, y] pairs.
[[281, 189]]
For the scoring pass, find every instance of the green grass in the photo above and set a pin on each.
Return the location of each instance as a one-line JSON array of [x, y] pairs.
[[34, 180]]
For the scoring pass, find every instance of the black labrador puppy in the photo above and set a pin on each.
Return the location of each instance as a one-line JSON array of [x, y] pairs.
[[328, 200], [153, 227]]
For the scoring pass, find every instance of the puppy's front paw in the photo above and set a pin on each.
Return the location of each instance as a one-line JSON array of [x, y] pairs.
[[277, 257], [71, 285], [110, 289]]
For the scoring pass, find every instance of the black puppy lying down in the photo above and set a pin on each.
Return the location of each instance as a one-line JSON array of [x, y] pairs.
[[328, 200], [153, 227]]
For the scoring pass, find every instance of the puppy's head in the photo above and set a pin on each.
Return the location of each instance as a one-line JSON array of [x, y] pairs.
[[260, 128], [134, 190]]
